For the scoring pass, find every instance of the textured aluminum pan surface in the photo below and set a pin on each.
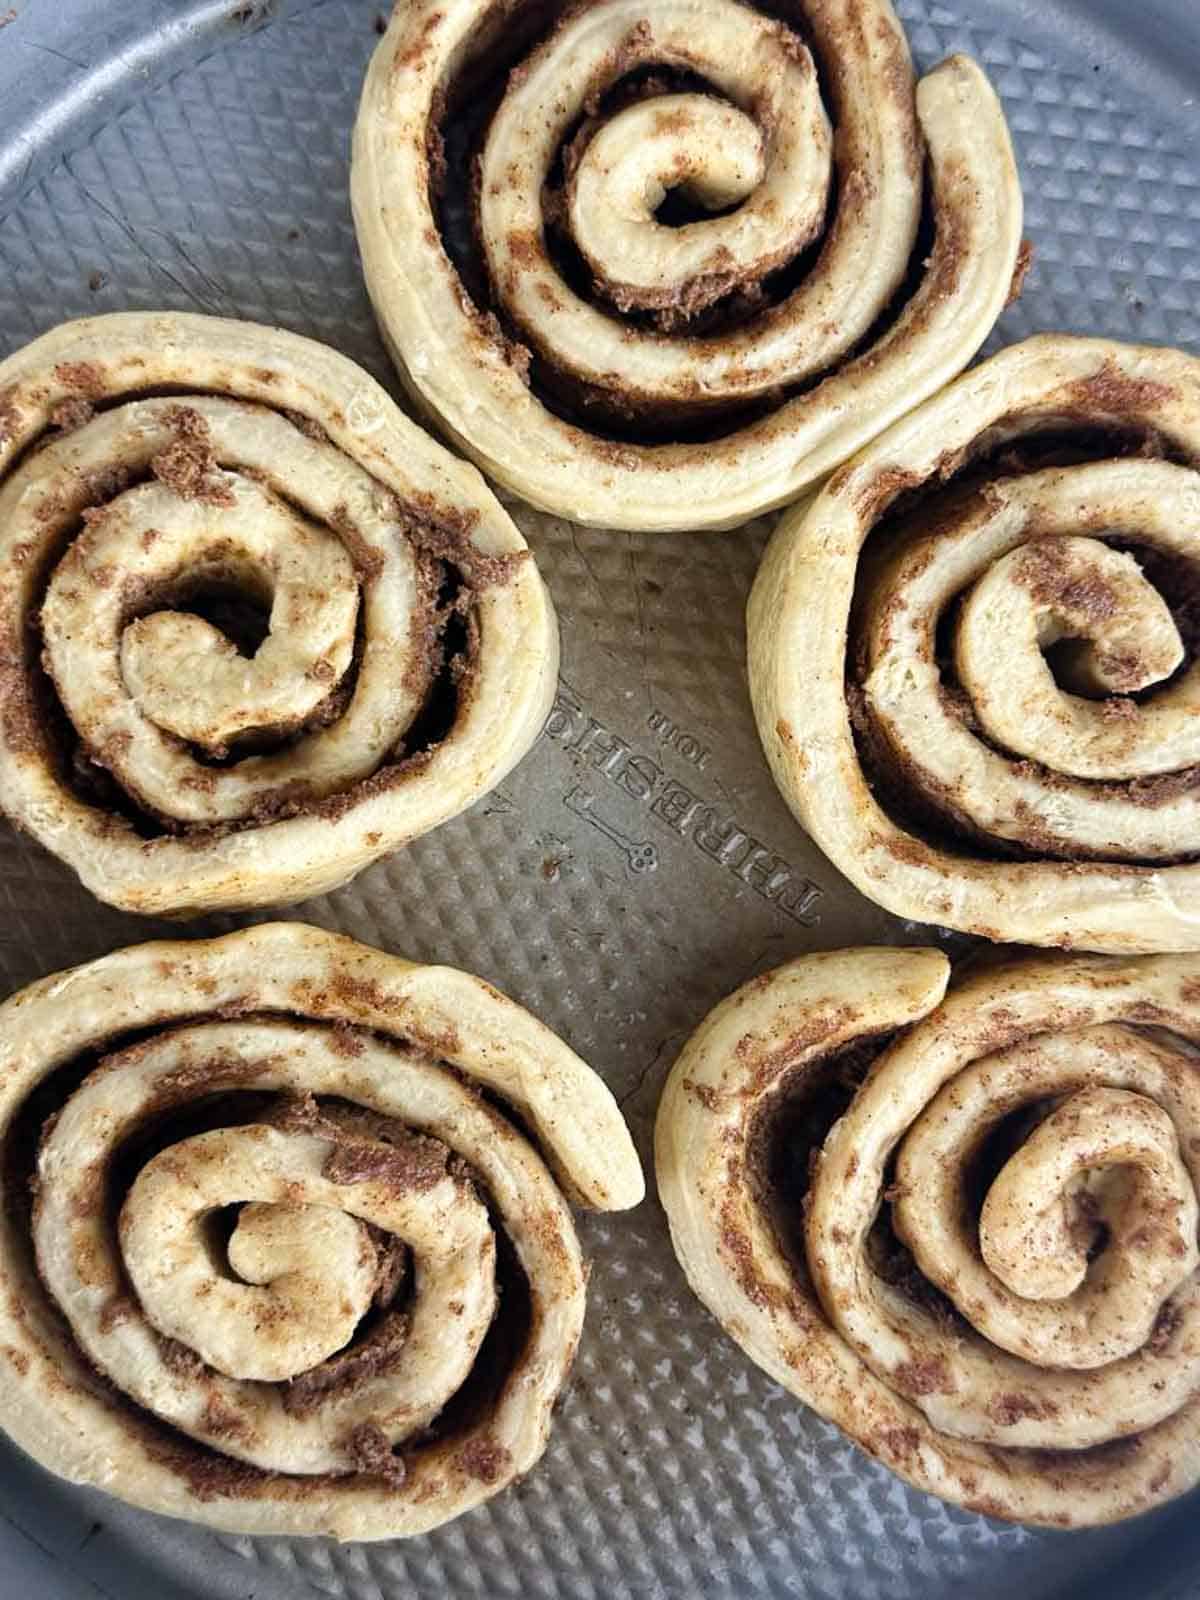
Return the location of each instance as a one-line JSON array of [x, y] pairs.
[[194, 155]]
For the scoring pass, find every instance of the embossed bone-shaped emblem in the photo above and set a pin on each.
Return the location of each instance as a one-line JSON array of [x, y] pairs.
[[641, 855]]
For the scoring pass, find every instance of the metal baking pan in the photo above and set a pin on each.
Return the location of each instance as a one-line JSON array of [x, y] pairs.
[[193, 154]]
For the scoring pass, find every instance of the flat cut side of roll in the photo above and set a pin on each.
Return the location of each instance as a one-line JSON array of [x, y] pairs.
[[693, 279], [257, 628], [286, 1245], [957, 1216], [973, 655]]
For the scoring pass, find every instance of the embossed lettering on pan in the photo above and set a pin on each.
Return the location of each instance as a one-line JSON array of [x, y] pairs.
[[716, 834], [973, 655], [286, 1245], [662, 264], [957, 1217], [256, 628]]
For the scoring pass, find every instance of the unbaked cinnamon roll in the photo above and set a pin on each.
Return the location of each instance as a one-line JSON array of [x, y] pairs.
[[276, 1255], [973, 656], [663, 264], [256, 629], [961, 1222]]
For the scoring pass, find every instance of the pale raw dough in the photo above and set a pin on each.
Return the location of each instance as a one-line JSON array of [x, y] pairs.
[[1074, 795], [1096, 1360], [765, 146], [279, 470], [287, 1011]]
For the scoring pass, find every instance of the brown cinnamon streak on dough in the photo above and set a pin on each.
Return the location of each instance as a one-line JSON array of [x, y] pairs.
[[739, 1248], [768, 1063], [359, 992], [102, 485], [518, 356], [116, 1309], [346, 1040], [409, 1162], [895, 1444], [1052, 578], [1109, 390], [379, 1352], [221, 1422], [393, 1260], [904, 847], [877, 494], [1020, 271], [210, 1475], [428, 623], [179, 1359], [207, 1071], [703, 1093], [628, 54], [306, 425], [368, 562], [413, 57], [1166, 1326]]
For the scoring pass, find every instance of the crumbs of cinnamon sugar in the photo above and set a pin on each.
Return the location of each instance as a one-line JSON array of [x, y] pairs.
[[188, 467], [345, 1040], [371, 1452], [84, 376], [901, 1444], [414, 1164], [16, 1358], [413, 57], [1109, 390], [483, 1458], [927, 1375], [9, 416], [704, 1093], [71, 414], [1010, 1408]]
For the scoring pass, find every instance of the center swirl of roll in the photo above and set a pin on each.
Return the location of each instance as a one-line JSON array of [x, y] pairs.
[[275, 1285], [749, 151], [1049, 1193], [1029, 662], [301, 1266], [281, 539], [296, 1289], [289, 1247], [695, 252]]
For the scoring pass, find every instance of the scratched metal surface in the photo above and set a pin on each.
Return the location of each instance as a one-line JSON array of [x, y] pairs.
[[639, 864]]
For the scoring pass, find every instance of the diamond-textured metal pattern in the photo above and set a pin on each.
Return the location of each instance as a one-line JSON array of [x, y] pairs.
[[676, 1468]]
